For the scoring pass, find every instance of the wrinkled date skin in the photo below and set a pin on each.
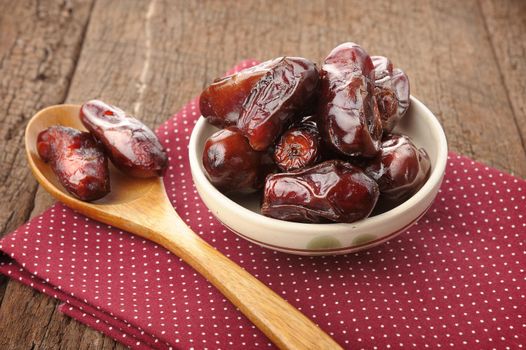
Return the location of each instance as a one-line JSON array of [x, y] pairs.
[[232, 165], [391, 92], [221, 102], [299, 147], [78, 161], [348, 111], [132, 146], [400, 170], [276, 99], [330, 191]]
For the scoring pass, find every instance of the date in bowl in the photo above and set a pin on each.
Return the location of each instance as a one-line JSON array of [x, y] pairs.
[[241, 213]]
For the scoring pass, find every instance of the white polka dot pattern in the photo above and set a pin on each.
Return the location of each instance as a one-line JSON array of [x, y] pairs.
[[454, 280]]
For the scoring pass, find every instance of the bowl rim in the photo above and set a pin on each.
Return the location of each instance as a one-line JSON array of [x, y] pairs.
[[434, 180]]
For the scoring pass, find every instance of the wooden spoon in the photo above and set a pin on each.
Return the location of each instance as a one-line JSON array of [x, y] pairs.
[[142, 207]]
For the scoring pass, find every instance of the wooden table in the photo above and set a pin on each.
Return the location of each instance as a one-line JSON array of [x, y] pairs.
[[466, 61]]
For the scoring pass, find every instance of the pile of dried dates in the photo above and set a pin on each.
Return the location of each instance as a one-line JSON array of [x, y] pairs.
[[80, 159], [319, 143]]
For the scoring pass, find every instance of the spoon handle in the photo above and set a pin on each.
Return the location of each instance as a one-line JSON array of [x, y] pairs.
[[286, 326]]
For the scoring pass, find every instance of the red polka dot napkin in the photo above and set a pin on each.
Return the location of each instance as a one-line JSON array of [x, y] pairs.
[[454, 280]]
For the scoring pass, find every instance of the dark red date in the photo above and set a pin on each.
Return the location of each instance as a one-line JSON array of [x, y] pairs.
[[391, 92], [330, 191], [132, 146], [299, 147], [231, 164], [78, 161], [276, 99], [400, 170], [221, 102], [350, 120]]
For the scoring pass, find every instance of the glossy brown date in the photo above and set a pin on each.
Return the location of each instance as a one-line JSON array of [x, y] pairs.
[[391, 91], [276, 99], [78, 161], [400, 170], [330, 191], [221, 102], [350, 121], [232, 165], [299, 147], [132, 146]]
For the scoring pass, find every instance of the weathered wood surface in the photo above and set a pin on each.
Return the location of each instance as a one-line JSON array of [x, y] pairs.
[[39, 47], [506, 23], [465, 60]]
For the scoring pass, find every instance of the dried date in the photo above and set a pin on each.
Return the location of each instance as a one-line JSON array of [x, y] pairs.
[[221, 102], [299, 147], [276, 99], [77, 160], [348, 110], [330, 191], [232, 165], [132, 146], [391, 92], [400, 170]]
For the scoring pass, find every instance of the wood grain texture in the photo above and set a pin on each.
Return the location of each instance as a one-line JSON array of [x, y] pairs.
[[465, 60], [506, 24], [34, 322], [39, 46]]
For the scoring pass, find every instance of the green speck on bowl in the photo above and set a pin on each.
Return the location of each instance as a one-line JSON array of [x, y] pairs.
[[324, 242], [363, 239]]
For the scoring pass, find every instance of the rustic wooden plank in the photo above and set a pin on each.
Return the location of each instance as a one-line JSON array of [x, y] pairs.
[[31, 305], [62, 332], [31, 320], [150, 57], [506, 24], [39, 45]]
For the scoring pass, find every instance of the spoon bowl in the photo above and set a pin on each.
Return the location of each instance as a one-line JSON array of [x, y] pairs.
[[141, 207]]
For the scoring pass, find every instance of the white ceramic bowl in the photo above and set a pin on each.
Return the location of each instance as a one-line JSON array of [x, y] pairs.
[[241, 213]]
